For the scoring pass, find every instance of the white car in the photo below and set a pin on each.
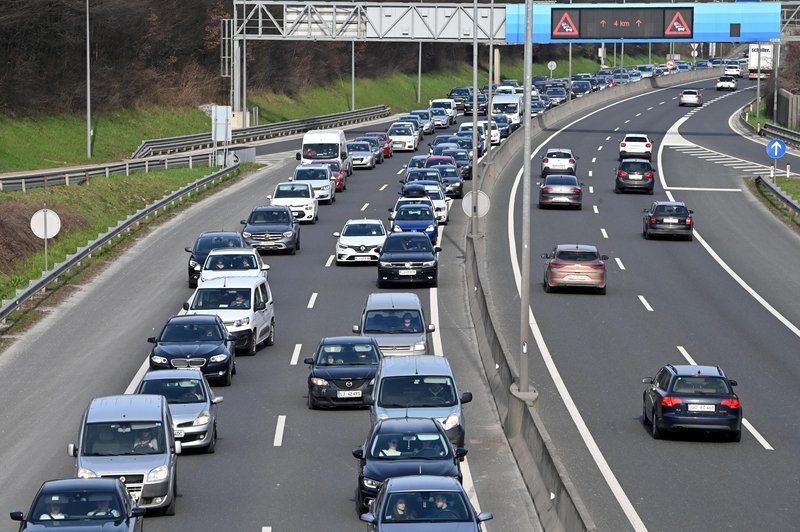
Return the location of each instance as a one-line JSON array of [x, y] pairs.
[[726, 83], [559, 161], [233, 262], [495, 131], [441, 203], [321, 179], [299, 197], [690, 97], [403, 136], [448, 105], [733, 70], [467, 126], [358, 241], [636, 145]]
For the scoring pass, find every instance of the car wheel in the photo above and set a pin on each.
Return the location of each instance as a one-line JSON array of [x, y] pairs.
[[547, 288], [170, 509], [647, 235], [617, 190], [271, 338], [333, 198], [192, 284], [344, 184], [297, 243], [645, 420], [579, 206], [292, 250], [690, 237], [601, 291], [213, 443], [252, 347], [655, 431], [316, 218], [435, 282], [381, 284], [359, 502], [226, 379], [650, 192]]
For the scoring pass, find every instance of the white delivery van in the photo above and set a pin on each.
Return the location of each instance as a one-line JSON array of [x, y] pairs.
[[509, 105], [319, 144]]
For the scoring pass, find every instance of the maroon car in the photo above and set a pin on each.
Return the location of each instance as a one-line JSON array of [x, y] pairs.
[[339, 175]]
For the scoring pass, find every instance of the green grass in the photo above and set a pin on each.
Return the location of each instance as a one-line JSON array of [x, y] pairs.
[[100, 204], [762, 116], [790, 186]]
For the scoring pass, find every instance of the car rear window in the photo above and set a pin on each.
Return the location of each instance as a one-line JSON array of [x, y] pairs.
[[577, 255], [635, 167], [701, 385], [635, 139], [560, 180], [558, 155]]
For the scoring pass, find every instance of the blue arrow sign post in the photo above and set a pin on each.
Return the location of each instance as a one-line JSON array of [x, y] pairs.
[[776, 148]]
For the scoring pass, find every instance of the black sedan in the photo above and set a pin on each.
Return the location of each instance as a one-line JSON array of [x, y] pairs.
[[85, 504], [691, 398], [463, 162], [452, 180], [202, 247], [483, 103], [403, 446], [342, 371], [561, 190], [408, 257], [195, 341], [668, 218], [272, 228]]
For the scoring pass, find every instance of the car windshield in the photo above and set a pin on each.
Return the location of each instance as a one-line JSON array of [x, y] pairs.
[[412, 213], [576, 255], [221, 298], [176, 391], [423, 175], [372, 141], [310, 174], [401, 245], [334, 166], [441, 105], [55, 507], [268, 217], [426, 507], [129, 438], [207, 243], [435, 195], [190, 332], [347, 355], [409, 445], [459, 156], [701, 385], [359, 146], [320, 151], [556, 91], [392, 321], [230, 262], [438, 111], [400, 132], [417, 391], [292, 191], [363, 229]]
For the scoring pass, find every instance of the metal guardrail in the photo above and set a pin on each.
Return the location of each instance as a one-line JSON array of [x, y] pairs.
[[148, 148], [789, 136], [780, 194], [58, 270]]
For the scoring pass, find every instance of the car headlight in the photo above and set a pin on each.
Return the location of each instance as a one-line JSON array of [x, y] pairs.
[[419, 346], [240, 322], [308, 207], [342, 247], [397, 229], [372, 382], [451, 422], [371, 483], [287, 234], [325, 187], [84, 472], [202, 419], [218, 358], [316, 381], [429, 263], [430, 228], [385, 264], [383, 416], [193, 263], [158, 474], [246, 234], [158, 360]]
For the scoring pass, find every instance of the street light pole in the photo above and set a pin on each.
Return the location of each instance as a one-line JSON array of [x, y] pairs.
[[475, 151], [88, 90], [526, 205]]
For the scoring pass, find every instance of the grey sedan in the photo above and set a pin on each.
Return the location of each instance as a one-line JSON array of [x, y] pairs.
[[561, 190], [362, 154], [192, 404]]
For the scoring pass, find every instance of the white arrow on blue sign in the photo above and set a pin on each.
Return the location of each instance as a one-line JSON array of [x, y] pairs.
[[776, 148]]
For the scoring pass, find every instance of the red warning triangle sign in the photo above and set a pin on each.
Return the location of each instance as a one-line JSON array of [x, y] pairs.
[[678, 26], [565, 27]]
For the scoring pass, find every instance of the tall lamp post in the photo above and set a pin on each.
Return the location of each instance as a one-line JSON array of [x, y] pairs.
[[88, 90], [526, 205]]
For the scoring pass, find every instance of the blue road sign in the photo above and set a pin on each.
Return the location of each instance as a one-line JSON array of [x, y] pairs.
[[776, 148]]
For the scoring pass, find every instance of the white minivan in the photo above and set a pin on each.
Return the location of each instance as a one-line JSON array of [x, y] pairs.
[[325, 144], [509, 105]]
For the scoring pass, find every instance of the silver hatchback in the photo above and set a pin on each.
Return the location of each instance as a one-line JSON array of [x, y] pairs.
[[559, 161]]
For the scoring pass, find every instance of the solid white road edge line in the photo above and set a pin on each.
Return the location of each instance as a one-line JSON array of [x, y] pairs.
[[750, 428], [296, 354], [312, 300], [588, 440], [278, 441], [645, 303]]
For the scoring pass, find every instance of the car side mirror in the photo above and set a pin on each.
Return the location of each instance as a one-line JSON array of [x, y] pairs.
[[337, 234], [401, 181], [461, 453], [485, 516], [733, 382], [187, 249], [309, 361], [17, 516], [391, 218], [466, 397], [691, 211], [645, 210], [269, 196], [151, 340], [217, 399], [431, 328], [264, 267], [356, 329], [604, 257], [72, 450], [437, 249], [297, 156], [647, 380], [185, 306], [137, 511], [358, 453], [230, 338], [291, 178], [243, 222], [367, 518]]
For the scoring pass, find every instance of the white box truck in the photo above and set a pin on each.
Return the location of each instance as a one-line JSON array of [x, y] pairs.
[[753, 60]]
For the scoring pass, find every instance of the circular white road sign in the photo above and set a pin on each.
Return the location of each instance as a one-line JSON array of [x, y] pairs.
[[551, 65], [45, 223], [483, 203]]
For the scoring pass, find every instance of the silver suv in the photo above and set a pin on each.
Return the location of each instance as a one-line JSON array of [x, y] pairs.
[[320, 178], [397, 321]]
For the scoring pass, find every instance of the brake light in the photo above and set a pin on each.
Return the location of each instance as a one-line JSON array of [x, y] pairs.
[[671, 401], [649, 175], [575, 190], [547, 189], [599, 266], [572, 161], [557, 265], [622, 174], [731, 403], [688, 220], [622, 144], [653, 220], [647, 145], [545, 160]]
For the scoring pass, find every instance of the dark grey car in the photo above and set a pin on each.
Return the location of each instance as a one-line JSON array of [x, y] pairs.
[[563, 190], [272, 228], [634, 174]]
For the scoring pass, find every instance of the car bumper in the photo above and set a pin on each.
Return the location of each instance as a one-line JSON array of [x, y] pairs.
[[387, 150], [576, 280], [722, 423], [353, 256], [271, 245], [328, 396], [405, 145], [155, 495], [670, 229], [193, 437], [393, 275], [209, 369], [303, 214], [323, 195], [639, 184], [552, 199], [547, 170], [634, 154], [362, 163], [454, 190]]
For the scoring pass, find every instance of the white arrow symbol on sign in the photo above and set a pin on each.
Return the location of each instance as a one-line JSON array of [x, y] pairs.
[[776, 147]]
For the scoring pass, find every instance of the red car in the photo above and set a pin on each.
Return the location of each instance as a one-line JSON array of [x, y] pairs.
[[338, 173], [385, 140], [435, 160]]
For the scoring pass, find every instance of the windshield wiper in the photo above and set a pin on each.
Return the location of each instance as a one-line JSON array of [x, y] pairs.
[[394, 405]]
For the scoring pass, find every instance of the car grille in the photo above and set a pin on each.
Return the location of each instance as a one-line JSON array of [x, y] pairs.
[[133, 483], [361, 248], [342, 383], [266, 237], [406, 265], [188, 362], [389, 349]]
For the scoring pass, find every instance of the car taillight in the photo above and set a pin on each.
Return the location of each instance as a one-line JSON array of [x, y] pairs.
[[647, 145], [547, 189], [649, 175], [575, 190], [545, 160], [671, 401], [599, 266], [622, 174], [622, 144], [731, 403], [688, 220], [557, 265], [572, 161], [653, 220]]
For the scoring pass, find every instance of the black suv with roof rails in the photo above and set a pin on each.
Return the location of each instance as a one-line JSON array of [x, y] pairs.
[[460, 95], [691, 398]]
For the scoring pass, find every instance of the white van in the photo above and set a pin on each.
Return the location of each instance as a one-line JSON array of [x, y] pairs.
[[448, 105], [320, 144], [509, 105]]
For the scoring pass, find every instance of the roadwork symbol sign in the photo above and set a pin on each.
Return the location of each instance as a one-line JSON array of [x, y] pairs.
[[678, 26], [565, 27]]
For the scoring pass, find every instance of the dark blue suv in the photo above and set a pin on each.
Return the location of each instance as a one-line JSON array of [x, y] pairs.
[[416, 218]]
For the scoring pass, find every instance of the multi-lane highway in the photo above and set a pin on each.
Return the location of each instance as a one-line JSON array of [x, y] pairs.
[[728, 298]]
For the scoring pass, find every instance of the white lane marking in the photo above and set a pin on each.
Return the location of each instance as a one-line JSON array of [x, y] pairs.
[[616, 129], [312, 300], [757, 435], [603, 232], [638, 114], [591, 189], [588, 440], [278, 441], [594, 208], [608, 137], [266, 529], [364, 208], [329, 261], [649, 108], [627, 121], [594, 159], [590, 173], [296, 354], [401, 171], [674, 97], [704, 189], [599, 148], [645, 303], [383, 188], [661, 103], [619, 263], [469, 487]]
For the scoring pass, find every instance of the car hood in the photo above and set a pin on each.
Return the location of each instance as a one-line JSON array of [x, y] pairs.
[[407, 256], [414, 224], [80, 526], [361, 153], [403, 137], [439, 413], [399, 339], [188, 350], [344, 372], [362, 240], [291, 202], [181, 413], [316, 183], [207, 275], [381, 469], [123, 465], [227, 315]]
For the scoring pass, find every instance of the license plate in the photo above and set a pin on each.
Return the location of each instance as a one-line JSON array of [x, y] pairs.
[[701, 408], [361, 258], [636, 178], [397, 144], [575, 277], [670, 220], [179, 434], [407, 272], [348, 393]]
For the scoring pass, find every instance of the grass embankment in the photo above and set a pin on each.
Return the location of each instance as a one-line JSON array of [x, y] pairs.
[[762, 118]]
